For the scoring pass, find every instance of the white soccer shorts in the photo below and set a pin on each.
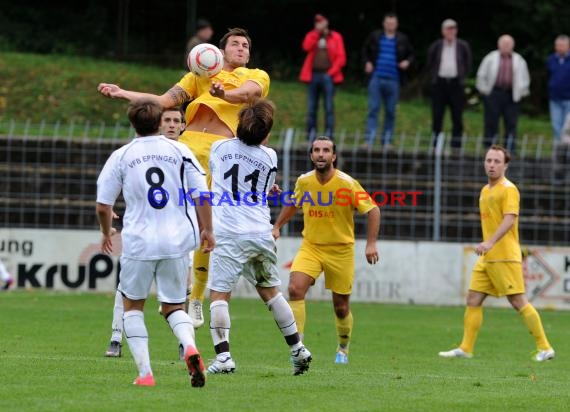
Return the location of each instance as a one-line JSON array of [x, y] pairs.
[[170, 275], [255, 259]]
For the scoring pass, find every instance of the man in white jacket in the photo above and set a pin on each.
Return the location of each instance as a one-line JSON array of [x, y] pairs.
[[503, 80]]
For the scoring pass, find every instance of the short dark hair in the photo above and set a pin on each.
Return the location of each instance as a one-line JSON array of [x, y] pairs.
[[323, 138], [202, 24], [236, 31], [255, 122], [500, 149], [390, 15], [175, 109], [145, 116]]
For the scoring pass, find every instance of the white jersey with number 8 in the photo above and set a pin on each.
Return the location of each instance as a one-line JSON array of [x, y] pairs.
[[155, 174], [242, 176]]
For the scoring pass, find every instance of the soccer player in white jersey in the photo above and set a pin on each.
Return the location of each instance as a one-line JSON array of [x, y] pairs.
[[171, 126], [243, 172], [159, 230]]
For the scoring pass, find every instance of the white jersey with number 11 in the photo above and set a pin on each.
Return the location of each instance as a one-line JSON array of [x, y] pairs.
[[242, 176]]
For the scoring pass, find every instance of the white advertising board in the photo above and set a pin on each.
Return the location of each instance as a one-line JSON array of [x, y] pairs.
[[408, 272]]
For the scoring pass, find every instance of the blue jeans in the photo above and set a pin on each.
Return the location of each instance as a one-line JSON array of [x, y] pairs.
[[559, 109], [321, 83], [387, 92]]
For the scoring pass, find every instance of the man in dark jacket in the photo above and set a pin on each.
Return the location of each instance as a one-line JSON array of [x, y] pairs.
[[449, 63], [387, 55]]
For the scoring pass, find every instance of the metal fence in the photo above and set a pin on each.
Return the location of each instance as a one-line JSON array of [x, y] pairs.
[[49, 181]]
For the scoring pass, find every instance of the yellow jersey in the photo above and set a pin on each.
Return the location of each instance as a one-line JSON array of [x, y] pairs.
[[494, 203], [328, 210], [198, 88]]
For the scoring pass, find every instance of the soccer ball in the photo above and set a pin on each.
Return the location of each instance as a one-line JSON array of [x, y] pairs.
[[205, 60]]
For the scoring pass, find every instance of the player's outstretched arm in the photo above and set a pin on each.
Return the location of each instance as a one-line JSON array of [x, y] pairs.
[[204, 213], [287, 212], [371, 250], [105, 216], [175, 96]]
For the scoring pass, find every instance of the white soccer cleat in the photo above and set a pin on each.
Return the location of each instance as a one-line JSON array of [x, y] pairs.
[[456, 353], [301, 358], [544, 355], [195, 313], [222, 364]]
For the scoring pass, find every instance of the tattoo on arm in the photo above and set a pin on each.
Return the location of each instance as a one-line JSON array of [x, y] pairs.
[[178, 95]]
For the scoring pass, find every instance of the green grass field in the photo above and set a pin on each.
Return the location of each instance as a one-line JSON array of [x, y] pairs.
[[52, 344]]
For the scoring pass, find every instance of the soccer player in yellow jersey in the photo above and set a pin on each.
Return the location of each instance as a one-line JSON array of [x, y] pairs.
[[211, 115], [328, 198], [498, 272]]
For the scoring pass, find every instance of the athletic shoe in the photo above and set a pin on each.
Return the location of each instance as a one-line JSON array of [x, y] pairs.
[[147, 380], [222, 364], [544, 355], [195, 313], [114, 350], [341, 357], [301, 358], [8, 284], [456, 353], [195, 366]]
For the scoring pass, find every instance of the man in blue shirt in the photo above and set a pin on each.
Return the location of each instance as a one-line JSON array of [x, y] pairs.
[[558, 66], [387, 55]]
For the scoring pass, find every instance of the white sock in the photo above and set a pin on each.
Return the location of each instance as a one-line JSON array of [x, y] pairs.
[[117, 324], [137, 338], [181, 326], [285, 320], [220, 325]]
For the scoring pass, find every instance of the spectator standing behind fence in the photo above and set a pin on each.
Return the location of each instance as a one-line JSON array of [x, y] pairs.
[[558, 66], [503, 80], [387, 54], [322, 70], [449, 63], [203, 34]]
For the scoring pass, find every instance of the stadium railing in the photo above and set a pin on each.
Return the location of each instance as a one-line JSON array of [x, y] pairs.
[[49, 177]]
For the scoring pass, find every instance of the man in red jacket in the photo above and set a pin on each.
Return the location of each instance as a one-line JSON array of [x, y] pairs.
[[322, 70]]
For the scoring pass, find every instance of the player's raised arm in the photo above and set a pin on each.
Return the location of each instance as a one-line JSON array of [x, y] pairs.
[[175, 96], [287, 212], [371, 250]]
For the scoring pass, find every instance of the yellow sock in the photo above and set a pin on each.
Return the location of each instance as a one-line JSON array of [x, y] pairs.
[[532, 320], [472, 321], [200, 278], [298, 308], [344, 330]]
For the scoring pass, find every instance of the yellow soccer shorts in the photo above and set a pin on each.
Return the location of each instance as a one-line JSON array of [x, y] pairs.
[[336, 261], [200, 143], [497, 278]]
